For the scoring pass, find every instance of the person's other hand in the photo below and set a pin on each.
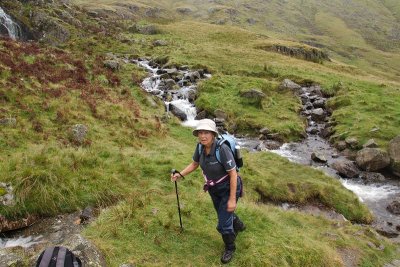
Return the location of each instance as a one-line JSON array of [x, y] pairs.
[[231, 205]]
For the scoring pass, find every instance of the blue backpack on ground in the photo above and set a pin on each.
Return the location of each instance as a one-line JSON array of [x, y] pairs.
[[230, 141]]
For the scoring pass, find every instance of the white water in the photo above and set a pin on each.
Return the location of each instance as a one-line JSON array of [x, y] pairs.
[[24, 242], [180, 99], [370, 192], [14, 30]]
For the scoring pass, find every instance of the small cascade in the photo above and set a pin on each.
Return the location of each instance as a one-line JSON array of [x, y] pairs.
[[9, 27], [176, 87]]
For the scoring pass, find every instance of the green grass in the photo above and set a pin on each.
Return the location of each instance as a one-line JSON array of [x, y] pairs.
[[124, 163]]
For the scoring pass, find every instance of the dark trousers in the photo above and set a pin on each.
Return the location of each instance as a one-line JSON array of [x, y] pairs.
[[220, 196]]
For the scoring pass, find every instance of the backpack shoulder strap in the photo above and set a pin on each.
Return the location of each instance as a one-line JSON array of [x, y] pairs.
[[217, 149], [201, 147], [61, 257], [46, 258]]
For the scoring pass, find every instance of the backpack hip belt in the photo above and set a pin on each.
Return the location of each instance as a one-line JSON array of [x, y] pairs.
[[210, 183]]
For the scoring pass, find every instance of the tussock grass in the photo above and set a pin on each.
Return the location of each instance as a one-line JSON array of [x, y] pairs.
[[129, 152]]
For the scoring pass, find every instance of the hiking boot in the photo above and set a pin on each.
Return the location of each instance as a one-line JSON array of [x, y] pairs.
[[230, 248], [238, 225]]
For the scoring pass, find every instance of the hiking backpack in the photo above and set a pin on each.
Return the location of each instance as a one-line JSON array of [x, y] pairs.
[[58, 257], [230, 141]]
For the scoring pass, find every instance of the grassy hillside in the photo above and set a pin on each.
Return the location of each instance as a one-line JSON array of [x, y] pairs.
[[124, 162], [357, 32]]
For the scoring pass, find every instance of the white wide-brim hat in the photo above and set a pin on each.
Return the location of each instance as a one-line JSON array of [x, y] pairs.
[[205, 125]]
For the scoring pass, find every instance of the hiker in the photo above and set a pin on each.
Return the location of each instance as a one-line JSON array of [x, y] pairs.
[[222, 182]]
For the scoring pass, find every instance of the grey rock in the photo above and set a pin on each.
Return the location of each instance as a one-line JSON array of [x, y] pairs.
[[160, 43], [184, 10], [394, 154], [177, 112], [326, 132], [352, 142], [289, 84], [79, 133], [319, 103], [269, 145], [372, 159], [112, 64], [394, 206], [192, 76], [341, 145], [8, 121], [201, 115], [253, 93], [370, 143], [251, 21], [265, 131], [318, 114], [318, 157], [372, 177], [346, 168], [192, 95], [220, 114], [349, 153]]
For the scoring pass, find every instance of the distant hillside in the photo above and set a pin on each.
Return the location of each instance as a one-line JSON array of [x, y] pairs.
[[365, 33]]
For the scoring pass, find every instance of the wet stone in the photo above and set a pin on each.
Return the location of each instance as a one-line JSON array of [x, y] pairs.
[[318, 157], [372, 177], [394, 206]]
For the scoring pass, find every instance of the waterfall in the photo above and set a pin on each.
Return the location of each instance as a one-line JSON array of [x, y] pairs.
[[8, 25]]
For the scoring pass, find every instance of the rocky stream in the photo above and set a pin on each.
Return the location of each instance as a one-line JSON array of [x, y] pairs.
[[177, 87]]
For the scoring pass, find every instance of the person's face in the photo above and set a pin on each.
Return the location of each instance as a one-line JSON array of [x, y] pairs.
[[206, 138]]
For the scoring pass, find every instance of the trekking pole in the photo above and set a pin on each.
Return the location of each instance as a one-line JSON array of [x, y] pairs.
[[177, 196]]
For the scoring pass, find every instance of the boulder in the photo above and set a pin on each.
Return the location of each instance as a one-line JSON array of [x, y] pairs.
[[372, 159], [112, 64], [220, 114], [394, 206], [349, 153], [289, 84], [8, 122], [341, 145], [48, 29], [9, 225], [352, 142], [192, 76], [184, 10], [268, 145], [6, 195], [346, 168], [370, 143], [251, 21], [178, 112], [326, 132], [265, 131], [167, 84], [253, 94], [192, 95], [201, 115], [372, 177], [320, 103], [318, 157], [394, 154], [160, 43], [78, 133], [318, 114]]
